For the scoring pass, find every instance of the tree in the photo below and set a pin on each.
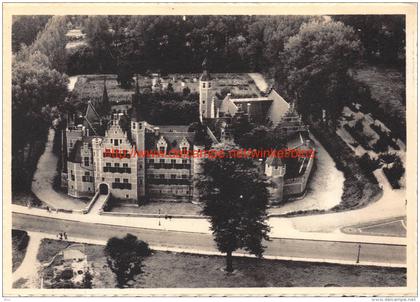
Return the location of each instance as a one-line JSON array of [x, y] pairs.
[[382, 36], [125, 257], [125, 76], [235, 198], [316, 61], [25, 30], [87, 279], [100, 36], [36, 91], [52, 42]]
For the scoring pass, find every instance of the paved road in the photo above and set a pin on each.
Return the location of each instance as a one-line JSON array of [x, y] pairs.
[[295, 249]]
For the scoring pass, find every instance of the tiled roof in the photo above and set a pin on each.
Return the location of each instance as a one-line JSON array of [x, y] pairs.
[[173, 136]]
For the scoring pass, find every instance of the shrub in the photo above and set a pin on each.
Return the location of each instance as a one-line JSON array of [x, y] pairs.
[[357, 133], [395, 173], [67, 274]]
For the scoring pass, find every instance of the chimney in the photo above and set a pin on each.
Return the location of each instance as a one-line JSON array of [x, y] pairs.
[[229, 95], [156, 130], [248, 111]]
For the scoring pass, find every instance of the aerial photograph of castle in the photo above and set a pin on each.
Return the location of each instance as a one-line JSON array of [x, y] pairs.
[[208, 151]]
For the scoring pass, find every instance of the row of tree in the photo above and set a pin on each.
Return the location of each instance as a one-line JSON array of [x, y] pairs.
[[38, 88], [309, 56]]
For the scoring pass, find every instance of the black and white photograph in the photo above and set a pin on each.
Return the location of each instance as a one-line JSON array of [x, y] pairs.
[[251, 153]]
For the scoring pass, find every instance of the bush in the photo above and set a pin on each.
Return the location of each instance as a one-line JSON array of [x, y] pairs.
[[22, 237], [67, 274], [395, 173], [368, 165]]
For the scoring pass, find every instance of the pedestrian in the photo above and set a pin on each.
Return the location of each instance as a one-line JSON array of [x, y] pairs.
[[61, 236], [65, 236]]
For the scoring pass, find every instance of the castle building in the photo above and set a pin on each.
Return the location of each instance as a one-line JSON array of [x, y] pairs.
[[111, 163], [289, 175], [102, 149]]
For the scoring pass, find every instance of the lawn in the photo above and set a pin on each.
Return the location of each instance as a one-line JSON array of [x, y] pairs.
[[20, 241], [165, 269], [49, 248], [163, 208], [390, 227]]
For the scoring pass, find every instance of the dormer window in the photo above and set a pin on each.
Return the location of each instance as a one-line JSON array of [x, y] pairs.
[[204, 85], [162, 145], [184, 146], [209, 84]]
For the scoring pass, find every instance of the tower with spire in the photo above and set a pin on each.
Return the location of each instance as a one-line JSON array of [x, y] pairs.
[[104, 107], [138, 135], [206, 105]]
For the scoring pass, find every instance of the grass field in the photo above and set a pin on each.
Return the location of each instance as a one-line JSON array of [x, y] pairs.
[[165, 269], [162, 208]]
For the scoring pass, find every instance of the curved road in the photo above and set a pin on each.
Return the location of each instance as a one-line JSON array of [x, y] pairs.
[[277, 248]]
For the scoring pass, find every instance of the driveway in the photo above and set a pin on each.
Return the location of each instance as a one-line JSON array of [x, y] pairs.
[[42, 184]]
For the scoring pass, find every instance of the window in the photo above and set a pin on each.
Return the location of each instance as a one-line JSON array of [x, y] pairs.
[[184, 150], [134, 125], [108, 164], [125, 180], [116, 165], [125, 165], [173, 176], [184, 161], [162, 176], [173, 161], [151, 160], [127, 196], [209, 84], [184, 176], [87, 173], [162, 149], [89, 189], [204, 85], [117, 180], [86, 161], [103, 178], [116, 143], [162, 161]]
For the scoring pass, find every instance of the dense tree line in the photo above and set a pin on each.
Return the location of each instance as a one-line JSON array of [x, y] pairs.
[[25, 30], [382, 36], [308, 55], [38, 88], [179, 44]]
